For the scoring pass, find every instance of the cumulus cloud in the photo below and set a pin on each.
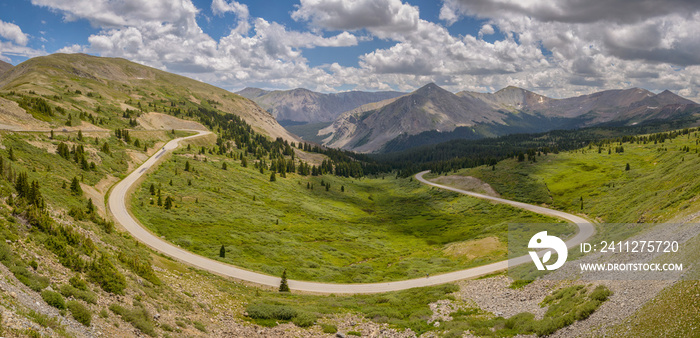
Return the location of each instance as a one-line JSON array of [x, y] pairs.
[[12, 32], [106, 13], [221, 7], [15, 43], [173, 41], [575, 11], [383, 18], [559, 48], [486, 30]]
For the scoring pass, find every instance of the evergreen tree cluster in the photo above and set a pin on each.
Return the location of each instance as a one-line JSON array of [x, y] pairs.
[[122, 134], [35, 105], [458, 154]]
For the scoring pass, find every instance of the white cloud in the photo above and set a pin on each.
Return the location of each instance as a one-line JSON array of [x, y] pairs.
[[16, 42], [383, 18], [221, 7], [486, 30], [174, 42], [111, 14], [12, 32], [71, 49], [557, 48], [449, 13]]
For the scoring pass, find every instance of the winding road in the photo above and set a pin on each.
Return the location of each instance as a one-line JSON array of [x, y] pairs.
[[118, 208]]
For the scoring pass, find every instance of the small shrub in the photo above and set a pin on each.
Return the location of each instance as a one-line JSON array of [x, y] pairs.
[[78, 283], [138, 317], [585, 310], [517, 284], [600, 293], [521, 322], [103, 272], [54, 299], [43, 320], [199, 326], [167, 327], [329, 328], [354, 333], [80, 312], [304, 319], [270, 311], [84, 295], [104, 313]]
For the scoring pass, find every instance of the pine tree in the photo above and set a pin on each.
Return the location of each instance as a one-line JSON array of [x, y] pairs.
[[51, 137], [90, 206], [75, 188], [171, 182], [187, 165], [160, 201], [284, 287], [11, 155], [80, 135], [22, 185], [152, 189], [223, 166], [222, 252], [272, 177], [244, 162], [627, 167], [342, 188], [168, 203]]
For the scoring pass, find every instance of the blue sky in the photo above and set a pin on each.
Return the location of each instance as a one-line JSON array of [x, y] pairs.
[[557, 48]]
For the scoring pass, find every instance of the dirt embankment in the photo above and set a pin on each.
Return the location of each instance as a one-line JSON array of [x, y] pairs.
[[13, 117], [468, 183], [158, 121]]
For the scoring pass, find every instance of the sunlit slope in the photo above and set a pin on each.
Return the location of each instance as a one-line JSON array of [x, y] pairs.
[[660, 185], [113, 84]]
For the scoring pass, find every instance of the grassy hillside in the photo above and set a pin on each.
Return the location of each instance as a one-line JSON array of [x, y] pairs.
[[67, 272], [659, 186], [656, 188], [100, 90], [356, 230]]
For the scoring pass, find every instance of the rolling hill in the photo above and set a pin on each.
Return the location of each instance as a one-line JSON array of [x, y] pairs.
[[103, 87], [432, 114], [303, 105], [4, 66]]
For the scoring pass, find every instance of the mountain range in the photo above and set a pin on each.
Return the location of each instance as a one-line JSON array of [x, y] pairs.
[[303, 105], [432, 114]]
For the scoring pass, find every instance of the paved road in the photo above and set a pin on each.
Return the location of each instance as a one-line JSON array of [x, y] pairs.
[[117, 206]]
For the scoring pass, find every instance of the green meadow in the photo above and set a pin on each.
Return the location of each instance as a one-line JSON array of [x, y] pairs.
[[356, 230], [658, 185]]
